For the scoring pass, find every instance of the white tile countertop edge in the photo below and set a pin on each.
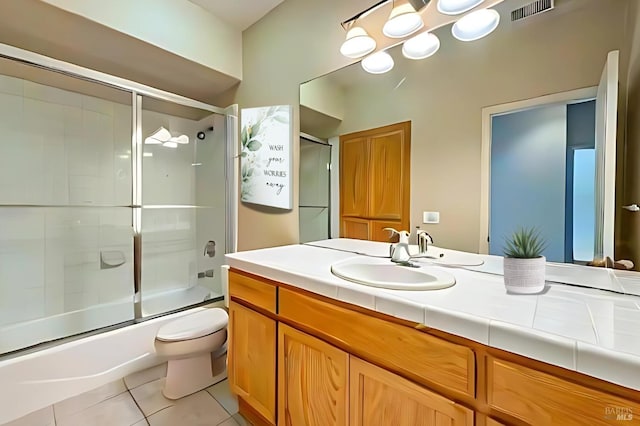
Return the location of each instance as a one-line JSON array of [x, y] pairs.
[[476, 308]]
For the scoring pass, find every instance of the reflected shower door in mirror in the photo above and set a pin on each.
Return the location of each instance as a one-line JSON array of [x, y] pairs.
[[183, 205], [444, 96], [66, 247], [315, 182]]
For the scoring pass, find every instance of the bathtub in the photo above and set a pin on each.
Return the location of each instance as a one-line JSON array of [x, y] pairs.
[[36, 380]]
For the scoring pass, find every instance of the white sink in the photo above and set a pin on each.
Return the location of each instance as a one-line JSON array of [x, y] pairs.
[[376, 272]]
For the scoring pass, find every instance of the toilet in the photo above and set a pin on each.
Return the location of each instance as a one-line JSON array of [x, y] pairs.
[[195, 347]]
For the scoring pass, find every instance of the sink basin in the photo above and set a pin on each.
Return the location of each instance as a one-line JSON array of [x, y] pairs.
[[382, 273]]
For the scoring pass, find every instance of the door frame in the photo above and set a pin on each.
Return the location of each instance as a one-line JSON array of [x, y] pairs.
[[568, 97]]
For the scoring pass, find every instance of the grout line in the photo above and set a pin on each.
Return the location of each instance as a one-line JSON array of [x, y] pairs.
[[137, 405]]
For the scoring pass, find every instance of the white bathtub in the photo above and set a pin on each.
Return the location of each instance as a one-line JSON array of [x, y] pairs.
[[36, 380]]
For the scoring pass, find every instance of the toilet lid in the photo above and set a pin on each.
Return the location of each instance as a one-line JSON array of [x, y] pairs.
[[194, 325]]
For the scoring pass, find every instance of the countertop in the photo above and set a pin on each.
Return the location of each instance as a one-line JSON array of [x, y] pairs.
[[592, 331]]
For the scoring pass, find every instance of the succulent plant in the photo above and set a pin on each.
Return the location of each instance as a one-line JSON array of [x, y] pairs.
[[525, 243]]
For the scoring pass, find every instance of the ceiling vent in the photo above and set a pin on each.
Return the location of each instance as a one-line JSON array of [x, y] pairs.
[[531, 9]]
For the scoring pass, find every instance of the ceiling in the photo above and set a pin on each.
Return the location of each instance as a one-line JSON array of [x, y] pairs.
[[239, 13]]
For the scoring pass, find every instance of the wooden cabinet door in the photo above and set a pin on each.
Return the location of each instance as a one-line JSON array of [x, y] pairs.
[[387, 161], [252, 359], [312, 379], [354, 177], [381, 398]]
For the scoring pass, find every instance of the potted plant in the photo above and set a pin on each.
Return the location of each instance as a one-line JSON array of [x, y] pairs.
[[524, 264]]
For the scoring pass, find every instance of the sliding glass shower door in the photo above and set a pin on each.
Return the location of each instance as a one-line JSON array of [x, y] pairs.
[[113, 201], [183, 205], [66, 248]]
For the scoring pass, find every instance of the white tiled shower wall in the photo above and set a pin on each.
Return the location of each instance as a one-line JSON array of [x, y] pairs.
[[59, 148]]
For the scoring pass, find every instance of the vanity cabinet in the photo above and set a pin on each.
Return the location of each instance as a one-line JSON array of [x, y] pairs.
[[374, 181], [312, 381], [339, 364]]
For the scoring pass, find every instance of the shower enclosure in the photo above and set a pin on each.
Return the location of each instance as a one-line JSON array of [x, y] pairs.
[[114, 200]]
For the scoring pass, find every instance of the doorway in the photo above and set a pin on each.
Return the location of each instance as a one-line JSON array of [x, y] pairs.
[[542, 175]]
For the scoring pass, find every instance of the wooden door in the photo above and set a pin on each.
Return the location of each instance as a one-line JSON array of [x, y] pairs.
[[353, 227], [354, 177], [312, 380], [381, 398], [252, 359], [387, 161], [374, 181]]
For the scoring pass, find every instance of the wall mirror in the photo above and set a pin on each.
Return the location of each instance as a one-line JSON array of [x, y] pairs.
[[555, 56]]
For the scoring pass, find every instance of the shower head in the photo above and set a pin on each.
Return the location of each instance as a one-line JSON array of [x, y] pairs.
[[202, 135]]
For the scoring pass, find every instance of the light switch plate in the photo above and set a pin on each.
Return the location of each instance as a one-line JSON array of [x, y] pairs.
[[430, 217]]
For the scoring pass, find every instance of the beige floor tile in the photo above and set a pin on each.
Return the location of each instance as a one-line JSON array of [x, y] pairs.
[[120, 410], [145, 376], [199, 409], [241, 420], [229, 422], [78, 403], [142, 422], [222, 393], [149, 397], [42, 417]]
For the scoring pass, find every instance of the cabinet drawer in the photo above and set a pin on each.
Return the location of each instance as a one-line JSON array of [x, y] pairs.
[[540, 398], [253, 291], [401, 349]]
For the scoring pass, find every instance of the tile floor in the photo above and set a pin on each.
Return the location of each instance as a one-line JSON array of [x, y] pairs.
[[137, 400]]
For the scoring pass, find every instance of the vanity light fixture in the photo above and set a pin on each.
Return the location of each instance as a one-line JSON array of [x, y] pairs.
[[421, 46], [476, 25], [456, 7], [406, 18], [403, 21], [357, 44], [378, 63], [170, 144]]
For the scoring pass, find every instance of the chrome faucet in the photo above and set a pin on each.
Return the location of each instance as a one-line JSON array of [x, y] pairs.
[[424, 239]]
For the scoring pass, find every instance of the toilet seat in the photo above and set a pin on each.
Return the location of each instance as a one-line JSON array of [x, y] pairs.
[[194, 326]]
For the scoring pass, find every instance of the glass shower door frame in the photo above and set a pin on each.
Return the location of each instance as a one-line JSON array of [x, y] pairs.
[[137, 91]]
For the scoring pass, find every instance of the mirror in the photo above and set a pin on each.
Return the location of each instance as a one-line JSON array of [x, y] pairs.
[[444, 96]]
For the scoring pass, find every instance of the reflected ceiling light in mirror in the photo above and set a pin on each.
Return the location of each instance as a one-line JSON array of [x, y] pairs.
[[158, 137], [378, 63], [456, 7], [357, 44], [170, 144], [403, 21], [182, 139], [476, 25], [421, 46]]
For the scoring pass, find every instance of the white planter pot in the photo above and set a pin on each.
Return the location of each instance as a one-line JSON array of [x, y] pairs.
[[524, 276]]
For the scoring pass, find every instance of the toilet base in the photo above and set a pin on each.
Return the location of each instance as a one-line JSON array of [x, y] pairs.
[[190, 375]]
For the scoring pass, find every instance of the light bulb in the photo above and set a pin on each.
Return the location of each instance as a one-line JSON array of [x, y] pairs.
[[403, 21], [456, 7], [357, 44], [476, 25], [421, 46], [378, 63]]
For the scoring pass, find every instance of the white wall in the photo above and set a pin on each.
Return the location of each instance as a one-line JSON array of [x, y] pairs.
[[178, 26]]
